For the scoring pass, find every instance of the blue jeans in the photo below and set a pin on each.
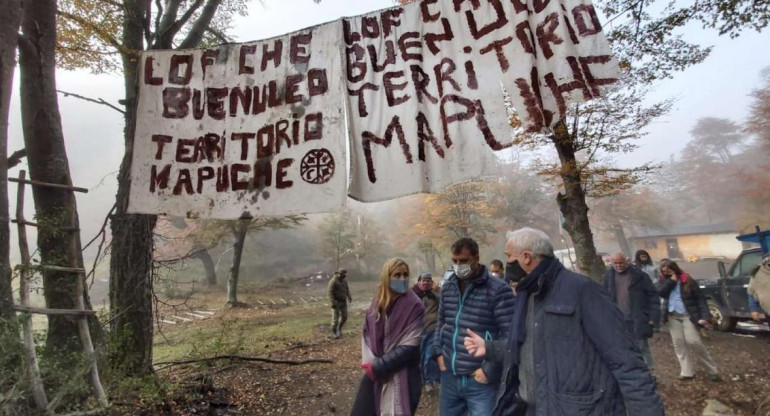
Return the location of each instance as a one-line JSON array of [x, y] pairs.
[[461, 394], [429, 366], [754, 305]]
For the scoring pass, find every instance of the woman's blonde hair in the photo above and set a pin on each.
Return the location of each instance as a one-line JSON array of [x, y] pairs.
[[385, 296]]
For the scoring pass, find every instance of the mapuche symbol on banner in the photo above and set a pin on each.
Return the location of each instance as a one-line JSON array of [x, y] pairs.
[[317, 166]]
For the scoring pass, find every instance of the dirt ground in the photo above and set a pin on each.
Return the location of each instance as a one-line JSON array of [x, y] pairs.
[[257, 388], [324, 389]]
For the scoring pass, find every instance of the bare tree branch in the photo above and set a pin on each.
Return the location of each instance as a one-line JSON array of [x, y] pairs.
[[245, 358], [169, 16], [114, 206], [158, 14], [631, 7], [217, 34], [93, 100], [199, 27], [103, 233], [147, 22], [167, 36], [97, 412]]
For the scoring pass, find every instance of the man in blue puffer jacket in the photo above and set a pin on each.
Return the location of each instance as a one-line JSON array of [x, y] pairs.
[[470, 299]]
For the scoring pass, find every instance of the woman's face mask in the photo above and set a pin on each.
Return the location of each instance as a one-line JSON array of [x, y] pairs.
[[399, 286], [399, 280]]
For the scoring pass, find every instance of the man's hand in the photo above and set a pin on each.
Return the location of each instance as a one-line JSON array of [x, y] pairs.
[[757, 317], [480, 377], [704, 323], [440, 361], [475, 345], [652, 323]]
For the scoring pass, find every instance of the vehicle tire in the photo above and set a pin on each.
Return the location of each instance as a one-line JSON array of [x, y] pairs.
[[722, 320]]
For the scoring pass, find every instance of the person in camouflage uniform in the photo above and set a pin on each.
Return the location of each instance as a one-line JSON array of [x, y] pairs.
[[339, 296]]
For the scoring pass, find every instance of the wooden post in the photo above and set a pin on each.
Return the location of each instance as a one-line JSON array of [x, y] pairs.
[[83, 330], [38, 391], [34, 224], [48, 185], [46, 311]]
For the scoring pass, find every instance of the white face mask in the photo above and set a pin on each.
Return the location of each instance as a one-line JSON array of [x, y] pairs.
[[462, 270]]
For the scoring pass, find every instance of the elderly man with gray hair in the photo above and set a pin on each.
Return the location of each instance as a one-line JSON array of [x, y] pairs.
[[568, 351], [632, 290]]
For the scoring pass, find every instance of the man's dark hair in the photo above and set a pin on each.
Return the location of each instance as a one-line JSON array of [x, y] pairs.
[[497, 263], [468, 243], [639, 261]]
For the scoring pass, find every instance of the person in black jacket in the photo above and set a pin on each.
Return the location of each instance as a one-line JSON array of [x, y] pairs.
[[569, 351], [632, 290], [686, 308], [643, 261]]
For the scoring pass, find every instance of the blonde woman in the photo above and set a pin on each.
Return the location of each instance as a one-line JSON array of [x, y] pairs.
[[390, 347]]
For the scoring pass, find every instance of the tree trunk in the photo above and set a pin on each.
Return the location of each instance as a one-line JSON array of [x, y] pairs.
[[208, 266], [572, 204], [430, 261], [47, 159], [232, 282], [131, 270], [11, 359], [10, 19], [131, 266], [620, 237]]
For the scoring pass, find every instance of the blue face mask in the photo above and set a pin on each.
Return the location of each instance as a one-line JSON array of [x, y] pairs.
[[399, 286]]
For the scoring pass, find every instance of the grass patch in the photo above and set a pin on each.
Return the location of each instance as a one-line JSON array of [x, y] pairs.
[[239, 333], [257, 332]]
